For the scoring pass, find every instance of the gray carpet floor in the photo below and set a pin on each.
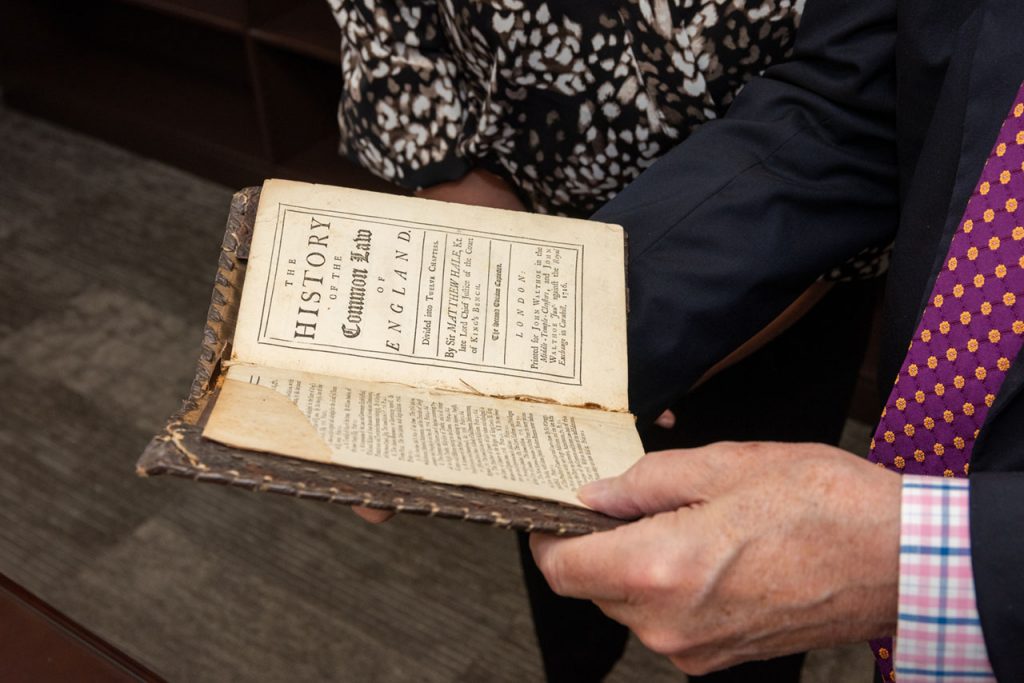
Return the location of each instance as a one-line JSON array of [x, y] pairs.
[[106, 260]]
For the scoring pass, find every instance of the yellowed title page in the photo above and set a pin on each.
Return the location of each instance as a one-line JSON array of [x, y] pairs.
[[431, 294]]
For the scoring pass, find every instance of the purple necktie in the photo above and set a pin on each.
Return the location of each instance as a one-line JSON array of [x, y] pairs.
[[969, 334]]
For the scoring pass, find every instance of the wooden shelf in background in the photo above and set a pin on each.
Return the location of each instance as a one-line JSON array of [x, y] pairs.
[[233, 90], [152, 93], [142, 105], [228, 15], [307, 28]]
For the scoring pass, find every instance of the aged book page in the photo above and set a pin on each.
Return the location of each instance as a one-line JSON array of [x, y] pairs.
[[531, 449], [431, 294]]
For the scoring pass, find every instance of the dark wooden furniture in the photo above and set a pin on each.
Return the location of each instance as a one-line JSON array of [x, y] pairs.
[[233, 90], [38, 643]]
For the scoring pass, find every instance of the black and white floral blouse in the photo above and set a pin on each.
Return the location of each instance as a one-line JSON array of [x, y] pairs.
[[568, 100]]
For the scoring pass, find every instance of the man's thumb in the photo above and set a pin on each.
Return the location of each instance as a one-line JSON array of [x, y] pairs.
[[658, 482]]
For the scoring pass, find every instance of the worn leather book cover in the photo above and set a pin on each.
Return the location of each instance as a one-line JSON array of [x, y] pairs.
[[181, 450]]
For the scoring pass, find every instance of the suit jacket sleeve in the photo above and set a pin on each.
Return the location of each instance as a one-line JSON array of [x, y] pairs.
[[731, 226], [997, 526], [996, 517]]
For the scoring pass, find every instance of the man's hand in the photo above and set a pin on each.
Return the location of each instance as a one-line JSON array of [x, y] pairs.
[[745, 551]]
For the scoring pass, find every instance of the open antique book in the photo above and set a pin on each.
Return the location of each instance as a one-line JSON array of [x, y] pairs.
[[419, 355]]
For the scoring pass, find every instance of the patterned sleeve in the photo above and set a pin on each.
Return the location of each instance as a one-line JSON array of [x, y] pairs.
[[938, 633], [402, 106]]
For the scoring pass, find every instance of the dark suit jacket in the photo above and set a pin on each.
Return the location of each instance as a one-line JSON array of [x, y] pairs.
[[876, 129]]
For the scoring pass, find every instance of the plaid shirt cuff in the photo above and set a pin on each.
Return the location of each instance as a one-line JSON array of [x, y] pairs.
[[938, 635]]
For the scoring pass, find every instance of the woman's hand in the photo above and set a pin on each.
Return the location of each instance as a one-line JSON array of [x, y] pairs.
[[477, 188]]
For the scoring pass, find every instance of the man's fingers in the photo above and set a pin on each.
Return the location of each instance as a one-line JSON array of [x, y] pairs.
[[658, 482], [583, 567], [613, 566], [373, 516]]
